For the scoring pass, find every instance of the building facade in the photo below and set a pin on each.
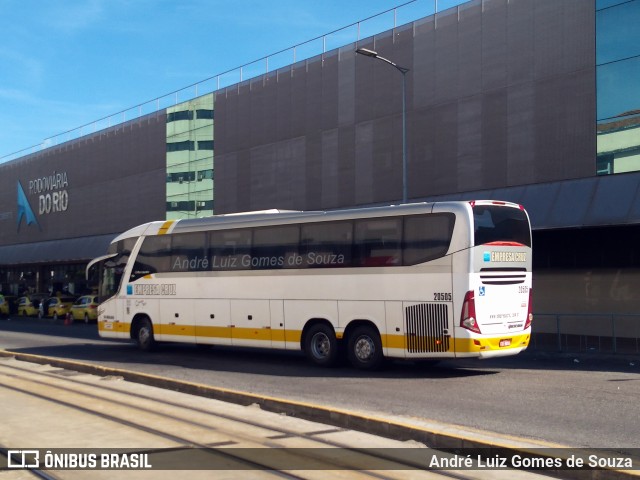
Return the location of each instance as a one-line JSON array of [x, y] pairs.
[[533, 101]]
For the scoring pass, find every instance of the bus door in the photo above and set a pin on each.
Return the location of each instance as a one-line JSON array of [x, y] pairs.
[[121, 310], [108, 270]]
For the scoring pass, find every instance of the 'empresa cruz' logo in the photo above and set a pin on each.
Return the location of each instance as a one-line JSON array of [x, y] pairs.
[[505, 257]]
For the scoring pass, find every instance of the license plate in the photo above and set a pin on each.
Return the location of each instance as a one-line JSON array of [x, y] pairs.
[[505, 343]]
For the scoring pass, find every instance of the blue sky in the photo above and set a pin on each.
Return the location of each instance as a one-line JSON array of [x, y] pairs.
[[68, 63]]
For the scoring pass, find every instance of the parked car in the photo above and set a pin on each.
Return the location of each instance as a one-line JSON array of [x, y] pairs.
[[85, 308], [4, 305], [27, 307], [56, 307]]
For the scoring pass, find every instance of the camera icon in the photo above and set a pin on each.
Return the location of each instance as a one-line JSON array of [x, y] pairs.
[[23, 459]]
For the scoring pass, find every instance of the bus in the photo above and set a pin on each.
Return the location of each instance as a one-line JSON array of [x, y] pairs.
[[419, 281]]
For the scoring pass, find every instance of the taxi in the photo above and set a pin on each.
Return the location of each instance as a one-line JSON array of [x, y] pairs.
[[26, 307], [85, 308], [4, 305], [58, 307]]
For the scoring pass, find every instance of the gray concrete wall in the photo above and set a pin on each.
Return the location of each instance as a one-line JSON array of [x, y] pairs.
[[499, 94]]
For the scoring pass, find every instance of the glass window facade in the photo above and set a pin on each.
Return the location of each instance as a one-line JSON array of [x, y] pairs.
[[190, 151], [618, 85], [68, 279]]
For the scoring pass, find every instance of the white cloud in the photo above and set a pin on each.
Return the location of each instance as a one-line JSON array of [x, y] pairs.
[[70, 17], [23, 69]]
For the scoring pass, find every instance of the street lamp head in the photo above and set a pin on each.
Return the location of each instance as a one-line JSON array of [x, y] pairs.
[[367, 52]]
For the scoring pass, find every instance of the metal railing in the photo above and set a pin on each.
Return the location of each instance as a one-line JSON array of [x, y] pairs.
[[353, 33], [587, 332]]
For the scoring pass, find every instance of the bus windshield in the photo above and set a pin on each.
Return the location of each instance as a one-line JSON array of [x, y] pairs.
[[111, 268], [500, 225]]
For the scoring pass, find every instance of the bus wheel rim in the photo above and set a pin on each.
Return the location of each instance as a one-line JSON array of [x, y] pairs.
[[364, 348], [143, 335], [320, 345]]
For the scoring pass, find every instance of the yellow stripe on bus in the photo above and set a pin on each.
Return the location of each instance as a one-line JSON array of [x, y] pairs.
[[229, 332], [394, 341], [467, 345], [116, 327], [165, 226], [460, 345], [168, 329]]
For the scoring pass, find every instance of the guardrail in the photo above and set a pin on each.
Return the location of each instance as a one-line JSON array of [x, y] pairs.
[[353, 33], [587, 332]]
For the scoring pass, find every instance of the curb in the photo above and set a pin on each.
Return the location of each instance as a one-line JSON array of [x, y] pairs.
[[434, 435]]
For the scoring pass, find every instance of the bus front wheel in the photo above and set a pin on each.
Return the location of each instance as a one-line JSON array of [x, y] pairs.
[[365, 348], [144, 335], [321, 346]]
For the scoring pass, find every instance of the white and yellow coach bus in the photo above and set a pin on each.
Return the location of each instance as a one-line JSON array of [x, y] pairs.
[[413, 281]]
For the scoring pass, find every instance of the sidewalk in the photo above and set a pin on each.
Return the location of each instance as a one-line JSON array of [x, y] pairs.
[[75, 422], [81, 417]]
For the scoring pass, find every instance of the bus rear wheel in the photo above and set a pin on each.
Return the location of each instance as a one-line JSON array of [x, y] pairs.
[[365, 348], [321, 346], [144, 335]]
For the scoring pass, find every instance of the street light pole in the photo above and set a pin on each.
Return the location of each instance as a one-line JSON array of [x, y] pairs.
[[373, 54]]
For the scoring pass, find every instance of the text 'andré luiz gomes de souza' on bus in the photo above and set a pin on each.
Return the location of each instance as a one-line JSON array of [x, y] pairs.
[[250, 261]]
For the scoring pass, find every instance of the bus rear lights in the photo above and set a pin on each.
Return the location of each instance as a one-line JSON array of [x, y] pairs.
[[468, 315]]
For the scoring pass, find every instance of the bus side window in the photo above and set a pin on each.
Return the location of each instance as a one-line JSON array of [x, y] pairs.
[[426, 237], [154, 256], [275, 247], [229, 249], [189, 252], [326, 244], [378, 242]]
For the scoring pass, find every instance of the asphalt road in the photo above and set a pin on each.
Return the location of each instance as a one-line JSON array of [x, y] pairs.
[[585, 401]]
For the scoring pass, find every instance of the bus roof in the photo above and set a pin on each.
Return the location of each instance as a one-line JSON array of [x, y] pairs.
[[277, 217]]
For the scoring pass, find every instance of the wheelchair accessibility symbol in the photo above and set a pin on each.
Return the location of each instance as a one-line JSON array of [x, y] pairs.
[[481, 291]]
